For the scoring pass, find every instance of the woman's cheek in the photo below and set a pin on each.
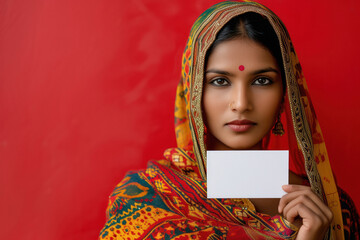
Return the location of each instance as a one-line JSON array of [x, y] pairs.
[[269, 102]]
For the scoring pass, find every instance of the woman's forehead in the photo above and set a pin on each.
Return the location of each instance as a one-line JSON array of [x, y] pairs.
[[238, 52]]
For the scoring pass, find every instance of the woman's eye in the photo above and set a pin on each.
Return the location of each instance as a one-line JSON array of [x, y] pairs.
[[220, 82], [262, 81]]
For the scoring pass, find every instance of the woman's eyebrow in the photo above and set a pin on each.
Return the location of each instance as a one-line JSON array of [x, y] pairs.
[[218, 72], [269, 69]]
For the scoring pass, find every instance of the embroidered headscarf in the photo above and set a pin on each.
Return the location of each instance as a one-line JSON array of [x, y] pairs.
[[304, 139]]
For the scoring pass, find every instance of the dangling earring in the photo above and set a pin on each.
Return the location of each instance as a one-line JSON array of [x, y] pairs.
[[278, 129]]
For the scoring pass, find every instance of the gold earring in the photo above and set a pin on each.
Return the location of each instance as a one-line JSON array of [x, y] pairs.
[[278, 129]]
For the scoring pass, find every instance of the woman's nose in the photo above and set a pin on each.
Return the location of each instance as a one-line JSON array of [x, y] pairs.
[[240, 100]]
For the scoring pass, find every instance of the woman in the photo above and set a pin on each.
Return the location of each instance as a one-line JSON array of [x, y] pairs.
[[240, 79]]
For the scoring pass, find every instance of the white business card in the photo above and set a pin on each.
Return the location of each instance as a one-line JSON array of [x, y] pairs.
[[247, 174]]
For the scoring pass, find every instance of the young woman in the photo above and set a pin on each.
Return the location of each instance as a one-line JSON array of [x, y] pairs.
[[242, 88]]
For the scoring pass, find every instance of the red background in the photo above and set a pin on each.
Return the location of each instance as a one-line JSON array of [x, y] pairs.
[[87, 90]]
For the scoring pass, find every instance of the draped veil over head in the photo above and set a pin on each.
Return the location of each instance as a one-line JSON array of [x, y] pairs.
[[304, 139], [168, 199]]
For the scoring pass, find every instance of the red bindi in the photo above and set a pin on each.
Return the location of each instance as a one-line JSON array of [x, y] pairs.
[[241, 68]]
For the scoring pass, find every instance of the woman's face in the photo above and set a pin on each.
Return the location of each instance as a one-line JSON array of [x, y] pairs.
[[242, 94]]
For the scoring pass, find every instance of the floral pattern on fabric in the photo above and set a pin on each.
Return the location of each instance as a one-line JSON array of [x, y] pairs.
[[168, 201]]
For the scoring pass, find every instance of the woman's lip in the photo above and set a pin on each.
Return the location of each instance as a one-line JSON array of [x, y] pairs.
[[241, 122], [240, 125]]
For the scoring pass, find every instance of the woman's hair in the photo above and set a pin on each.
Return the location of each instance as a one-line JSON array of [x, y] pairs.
[[255, 27]]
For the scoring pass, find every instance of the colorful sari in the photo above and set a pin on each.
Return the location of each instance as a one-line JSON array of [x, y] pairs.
[[168, 199]]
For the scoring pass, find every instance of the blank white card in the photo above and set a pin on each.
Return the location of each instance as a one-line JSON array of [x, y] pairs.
[[247, 174]]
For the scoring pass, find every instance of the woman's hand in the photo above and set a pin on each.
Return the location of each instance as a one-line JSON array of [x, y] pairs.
[[301, 202]]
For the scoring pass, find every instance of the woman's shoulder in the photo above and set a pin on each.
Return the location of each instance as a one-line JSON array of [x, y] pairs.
[[350, 216], [144, 184]]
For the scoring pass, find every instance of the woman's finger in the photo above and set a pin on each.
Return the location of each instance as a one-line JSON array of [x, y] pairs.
[[294, 191], [312, 226], [309, 203]]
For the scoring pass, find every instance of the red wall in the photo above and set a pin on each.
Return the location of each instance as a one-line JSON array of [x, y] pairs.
[[87, 90]]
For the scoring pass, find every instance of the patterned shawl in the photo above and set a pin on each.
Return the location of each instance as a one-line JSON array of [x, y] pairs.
[[168, 199]]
